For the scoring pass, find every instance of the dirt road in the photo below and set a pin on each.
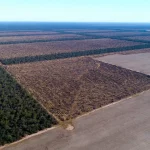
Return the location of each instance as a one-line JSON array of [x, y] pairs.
[[121, 126]]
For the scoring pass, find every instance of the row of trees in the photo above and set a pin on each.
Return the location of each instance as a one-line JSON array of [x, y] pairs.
[[120, 37], [46, 40], [18, 60], [20, 114]]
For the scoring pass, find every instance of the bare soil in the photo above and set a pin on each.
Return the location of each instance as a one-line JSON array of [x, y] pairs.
[[71, 87], [139, 62]]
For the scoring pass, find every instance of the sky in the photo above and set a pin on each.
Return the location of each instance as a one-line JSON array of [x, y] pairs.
[[75, 10]]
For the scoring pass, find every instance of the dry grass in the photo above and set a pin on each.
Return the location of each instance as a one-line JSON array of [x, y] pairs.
[[40, 37], [71, 87], [32, 49], [134, 33], [145, 38], [26, 33], [145, 50]]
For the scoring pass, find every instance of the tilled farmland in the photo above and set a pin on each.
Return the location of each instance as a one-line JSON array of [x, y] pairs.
[[32, 49], [71, 87]]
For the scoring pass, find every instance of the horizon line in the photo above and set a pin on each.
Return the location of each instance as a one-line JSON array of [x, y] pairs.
[[71, 22]]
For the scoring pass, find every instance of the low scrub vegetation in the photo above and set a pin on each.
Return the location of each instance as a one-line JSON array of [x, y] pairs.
[[26, 59], [140, 38], [53, 47], [71, 87], [41, 38]]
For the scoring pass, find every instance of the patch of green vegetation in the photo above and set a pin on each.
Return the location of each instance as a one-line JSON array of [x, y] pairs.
[[20, 114], [26, 59]]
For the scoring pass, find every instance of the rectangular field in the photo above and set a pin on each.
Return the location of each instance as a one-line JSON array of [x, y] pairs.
[[32, 49], [40, 37], [144, 38], [138, 62], [71, 87], [110, 34], [26, 33]]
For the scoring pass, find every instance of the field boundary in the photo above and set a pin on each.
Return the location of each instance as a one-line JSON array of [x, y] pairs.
[[119, 37], [26, 59], [46, 40], [83, 115]]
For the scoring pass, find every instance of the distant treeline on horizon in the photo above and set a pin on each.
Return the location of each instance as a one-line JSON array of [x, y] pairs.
[[45, 26]]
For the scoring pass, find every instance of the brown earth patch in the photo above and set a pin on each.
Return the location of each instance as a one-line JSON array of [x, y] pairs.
[[71, 87]]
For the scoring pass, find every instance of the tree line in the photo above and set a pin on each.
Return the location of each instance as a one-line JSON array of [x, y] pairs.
[[20, 114], [26, 59]]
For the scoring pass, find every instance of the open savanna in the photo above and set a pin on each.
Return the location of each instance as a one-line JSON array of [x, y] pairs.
[[71, 87], [144, 38], [39, 37], [39, 48]]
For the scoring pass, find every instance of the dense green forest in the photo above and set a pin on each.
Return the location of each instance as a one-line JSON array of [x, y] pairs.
[[20, 114], [18, 60]]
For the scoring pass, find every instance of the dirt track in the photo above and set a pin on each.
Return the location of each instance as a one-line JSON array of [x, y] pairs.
[[137, 62], [71, 87], [124, 125]]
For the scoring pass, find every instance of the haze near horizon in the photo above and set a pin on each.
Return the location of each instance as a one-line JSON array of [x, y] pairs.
[[75, 11]]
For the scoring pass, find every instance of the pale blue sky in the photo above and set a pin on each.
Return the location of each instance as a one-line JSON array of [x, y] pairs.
[[75, 10]]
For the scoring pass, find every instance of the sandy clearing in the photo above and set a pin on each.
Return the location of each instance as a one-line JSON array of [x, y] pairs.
[[138, 62], [124, 125]]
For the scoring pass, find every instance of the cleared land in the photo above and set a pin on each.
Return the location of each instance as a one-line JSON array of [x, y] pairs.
[[26, 33], [144, 50], [40, 37], [110, 34], [88, 31], [71, 87], [139, 62], [32, 49], [144, 38], [123, 126]]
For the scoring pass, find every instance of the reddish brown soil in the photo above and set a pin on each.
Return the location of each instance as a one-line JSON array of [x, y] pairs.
[[32, 49], [71, 87]]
